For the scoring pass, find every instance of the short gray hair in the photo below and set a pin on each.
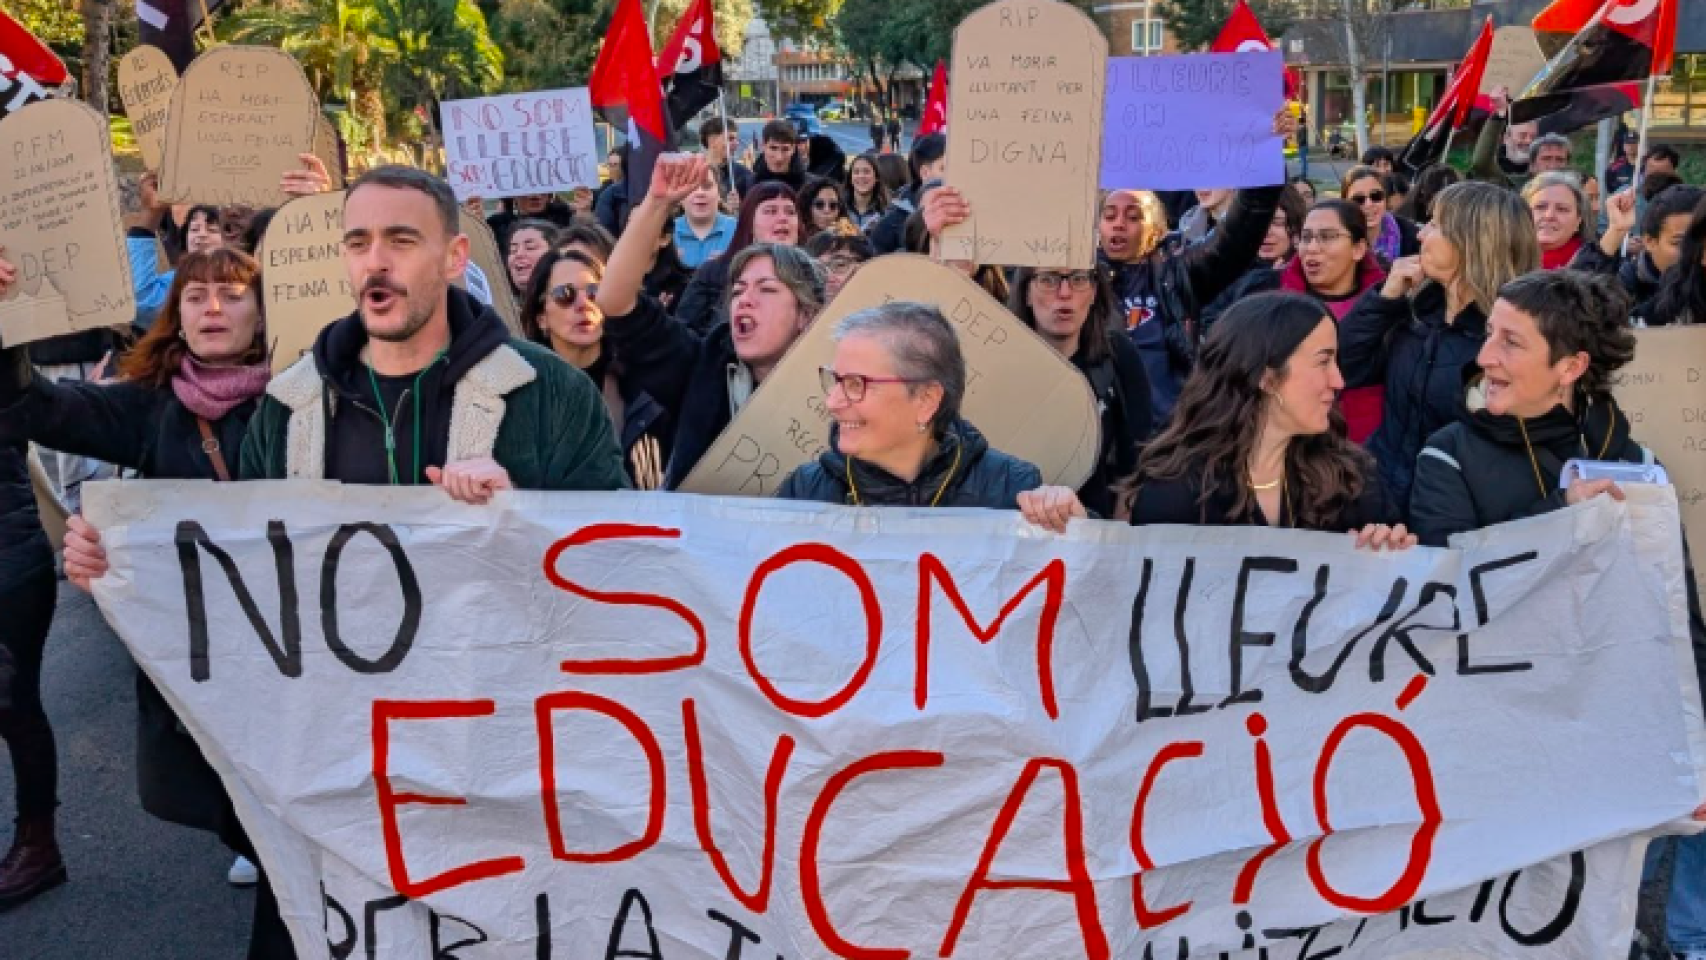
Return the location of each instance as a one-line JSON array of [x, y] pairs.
[[1551, 140], [795, 268], [1570, 181], [924, 347]]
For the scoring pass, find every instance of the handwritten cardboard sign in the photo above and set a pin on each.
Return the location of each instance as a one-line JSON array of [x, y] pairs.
[[1024, 397], [60, 224], [305, 283], [241, 117], [520, 143], [1194, 120], [488, 277], [326, 148], [146, 79], [1514, 61], [1025, 134], [608, 718], [1663, 392]]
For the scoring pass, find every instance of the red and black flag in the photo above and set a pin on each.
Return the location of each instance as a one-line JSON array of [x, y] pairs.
[[626, 93], [1428, 147], [171, 24], [1602, 52], [1243, 33], [691, 65], [29, 71]]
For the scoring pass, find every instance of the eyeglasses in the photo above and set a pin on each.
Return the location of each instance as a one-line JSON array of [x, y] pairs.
[[826, 205], [565, 294], [853, 385], [1309, 238], [839, 266], [1050, 282], [1373, 196]]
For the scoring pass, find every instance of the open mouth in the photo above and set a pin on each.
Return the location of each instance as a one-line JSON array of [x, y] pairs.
[[379, 298], [743, 325]]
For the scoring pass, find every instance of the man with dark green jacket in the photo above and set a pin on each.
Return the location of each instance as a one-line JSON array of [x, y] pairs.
[[422, 383]]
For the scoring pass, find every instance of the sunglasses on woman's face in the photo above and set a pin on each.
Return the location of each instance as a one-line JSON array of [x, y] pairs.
[[1375, 196], [565, 294], [826, 205]]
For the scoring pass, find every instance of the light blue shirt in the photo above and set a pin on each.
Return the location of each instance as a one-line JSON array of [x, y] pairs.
[[694, 251]]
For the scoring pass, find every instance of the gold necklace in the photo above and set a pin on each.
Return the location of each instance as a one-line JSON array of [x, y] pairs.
[[1264, 487], [853, 488]]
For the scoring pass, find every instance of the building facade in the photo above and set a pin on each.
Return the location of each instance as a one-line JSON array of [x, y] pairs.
[[1416, 49], [1134, 28]]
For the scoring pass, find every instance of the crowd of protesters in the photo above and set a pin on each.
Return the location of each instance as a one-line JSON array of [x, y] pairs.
[[1397, 359]]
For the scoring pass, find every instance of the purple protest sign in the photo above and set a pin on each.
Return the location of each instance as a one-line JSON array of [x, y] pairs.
[[1193, 121]]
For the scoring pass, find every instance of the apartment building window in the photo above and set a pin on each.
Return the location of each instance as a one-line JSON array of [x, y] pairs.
[[1146, 36]]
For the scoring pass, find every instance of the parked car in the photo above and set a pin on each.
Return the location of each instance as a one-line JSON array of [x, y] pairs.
[[805, 118]]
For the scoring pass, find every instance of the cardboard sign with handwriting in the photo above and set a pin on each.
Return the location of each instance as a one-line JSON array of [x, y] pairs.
[[1025, 134], [1663, 393], [326, 148], [240, 118], [1020, 393], [60, 225], [1514, 61], [146, 80], [306, 285], [491, 281]]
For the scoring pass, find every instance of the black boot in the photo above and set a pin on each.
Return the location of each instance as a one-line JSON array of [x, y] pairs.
[[33, 865]]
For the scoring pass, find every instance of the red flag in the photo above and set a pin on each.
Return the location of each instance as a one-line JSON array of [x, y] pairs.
[[21, 52], [1428, 147], [625, 91], [1243, 33], [1601, 50], [936, 108], [691, 64]]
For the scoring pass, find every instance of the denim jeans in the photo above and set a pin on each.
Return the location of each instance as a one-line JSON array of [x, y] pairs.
[[1685, 910]]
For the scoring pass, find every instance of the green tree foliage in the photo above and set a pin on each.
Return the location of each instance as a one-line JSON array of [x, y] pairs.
[[731, 17], [1195, 23], [547, 44]]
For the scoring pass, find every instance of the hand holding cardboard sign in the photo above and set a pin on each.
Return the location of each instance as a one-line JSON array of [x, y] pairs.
[[311, 179], [945, 207]]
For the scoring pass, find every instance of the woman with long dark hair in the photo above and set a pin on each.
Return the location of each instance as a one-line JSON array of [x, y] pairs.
[[1256, 439], [866, 198], [769, 213], [1390, 235], [179, 410]]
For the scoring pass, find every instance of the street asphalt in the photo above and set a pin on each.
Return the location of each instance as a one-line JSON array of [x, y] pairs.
[[140, 889]]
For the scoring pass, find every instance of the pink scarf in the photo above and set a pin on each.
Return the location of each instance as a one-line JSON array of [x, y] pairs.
[[212, 392]]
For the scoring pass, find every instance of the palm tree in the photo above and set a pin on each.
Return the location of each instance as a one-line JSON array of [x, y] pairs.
[[442, 51], [338, 44]]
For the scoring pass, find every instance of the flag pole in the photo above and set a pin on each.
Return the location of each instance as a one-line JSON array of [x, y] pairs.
[[731, 136], [1641, 150]]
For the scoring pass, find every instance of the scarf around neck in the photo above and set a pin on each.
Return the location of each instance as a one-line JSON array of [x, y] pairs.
[[212, 392]]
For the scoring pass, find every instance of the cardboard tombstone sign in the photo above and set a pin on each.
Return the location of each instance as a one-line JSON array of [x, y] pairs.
[[1025, 134], [1020, 393], [487, 277], [241, 117], [60, 224], [1513, 62], [326, 148], [1663, 393], [146, 80], [306, 285]]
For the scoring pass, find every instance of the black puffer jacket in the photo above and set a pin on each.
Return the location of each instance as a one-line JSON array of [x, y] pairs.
[[687, 374], [888, 235], [700, 306], [23, 546], [963, 472], [1637, 275], [1163, 292], [1407, 346]]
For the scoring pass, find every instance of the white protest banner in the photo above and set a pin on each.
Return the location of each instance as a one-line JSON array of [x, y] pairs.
[[519, 143], [689, 727], [1025, 134], [1195, 120]]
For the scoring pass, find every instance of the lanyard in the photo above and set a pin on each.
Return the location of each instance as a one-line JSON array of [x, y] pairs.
[[390, 431]]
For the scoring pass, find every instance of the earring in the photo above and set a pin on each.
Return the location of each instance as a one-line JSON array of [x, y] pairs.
[[923, 427]]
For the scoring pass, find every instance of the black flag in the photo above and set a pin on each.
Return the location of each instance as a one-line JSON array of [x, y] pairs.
[[170, 25]]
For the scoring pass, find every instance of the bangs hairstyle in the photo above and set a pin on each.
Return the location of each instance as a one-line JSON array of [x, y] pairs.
[[1221, 410], [1578, 313], [533, 301], [1493, 233], [157, 357], [1103, 322], [759, 195]]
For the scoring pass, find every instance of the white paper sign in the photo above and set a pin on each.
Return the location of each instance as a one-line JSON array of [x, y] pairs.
[[623, 725], [520, 143]]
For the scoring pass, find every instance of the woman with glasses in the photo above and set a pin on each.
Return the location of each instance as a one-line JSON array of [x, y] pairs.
[[820, 202], [1256, 439], [1426, 323], [560, 310], [1077, 313], [1390, 235], [865, 199], [894, 390], [841, 256], [1336, 265]]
